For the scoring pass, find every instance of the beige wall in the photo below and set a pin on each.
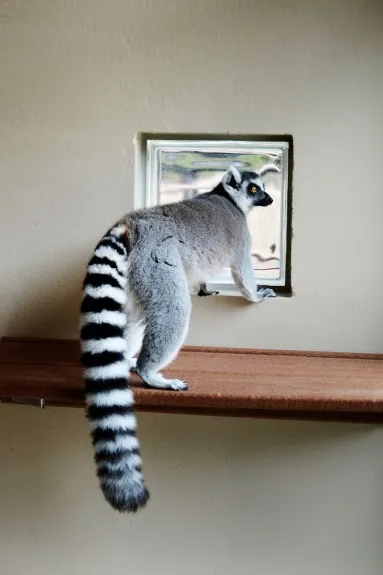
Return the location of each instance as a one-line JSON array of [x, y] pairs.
[[77, 79]]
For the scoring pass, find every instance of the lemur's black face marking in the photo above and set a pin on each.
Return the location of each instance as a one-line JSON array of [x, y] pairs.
[[258, 195], [255, 189], [246, 189]]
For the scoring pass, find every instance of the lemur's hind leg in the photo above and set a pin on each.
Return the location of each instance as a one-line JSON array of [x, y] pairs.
[[165, 333], [167, 312], [134, 329], [134, 335]]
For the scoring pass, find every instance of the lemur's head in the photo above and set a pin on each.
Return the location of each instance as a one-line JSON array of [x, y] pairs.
[[247, 188]]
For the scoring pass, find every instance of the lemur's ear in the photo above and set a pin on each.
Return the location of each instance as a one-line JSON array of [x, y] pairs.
[[235, 173], [232, 178], [267, 168]]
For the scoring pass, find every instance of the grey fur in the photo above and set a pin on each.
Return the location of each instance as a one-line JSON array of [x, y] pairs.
[[150, 260], [181, 246]]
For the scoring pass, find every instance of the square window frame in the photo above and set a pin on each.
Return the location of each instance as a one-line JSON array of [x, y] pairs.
[[147, 145]]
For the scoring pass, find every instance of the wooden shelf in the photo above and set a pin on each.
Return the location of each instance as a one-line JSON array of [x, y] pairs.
[[236, 382]]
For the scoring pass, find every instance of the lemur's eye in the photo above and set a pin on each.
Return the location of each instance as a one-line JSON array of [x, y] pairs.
[[254, 190]]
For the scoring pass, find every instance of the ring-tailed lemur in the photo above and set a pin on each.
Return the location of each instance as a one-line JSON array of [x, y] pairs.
[[136, 297]]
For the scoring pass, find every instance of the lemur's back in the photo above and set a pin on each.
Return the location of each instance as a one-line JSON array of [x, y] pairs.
[[203, 230]]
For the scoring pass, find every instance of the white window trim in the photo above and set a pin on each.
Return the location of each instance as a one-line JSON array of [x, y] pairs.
[[146, 188]]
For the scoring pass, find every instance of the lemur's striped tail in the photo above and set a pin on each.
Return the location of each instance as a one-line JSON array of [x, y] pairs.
[[106, 369]]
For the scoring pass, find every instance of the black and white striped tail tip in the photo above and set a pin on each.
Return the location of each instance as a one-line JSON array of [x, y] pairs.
[[131, 501]]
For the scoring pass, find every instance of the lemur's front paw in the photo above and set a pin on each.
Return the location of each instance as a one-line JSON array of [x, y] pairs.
[[204, 291], [263, 294], [266, 293]]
